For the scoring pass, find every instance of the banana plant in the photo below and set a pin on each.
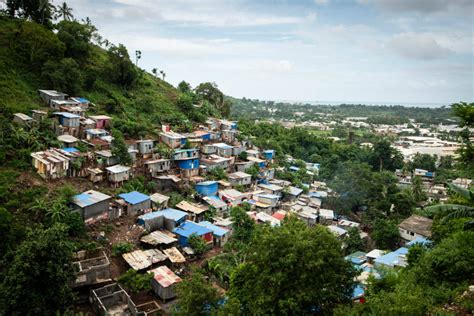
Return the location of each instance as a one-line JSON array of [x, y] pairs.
[[455, 210]]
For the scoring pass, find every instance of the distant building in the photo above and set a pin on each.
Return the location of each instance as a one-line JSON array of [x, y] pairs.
[[48, 95], [157, 167], [415, 226], [101, 121], [240, 178], [172, 139], [92, 205], [118, 174], [50, 164], [136, 202], [22, 119]]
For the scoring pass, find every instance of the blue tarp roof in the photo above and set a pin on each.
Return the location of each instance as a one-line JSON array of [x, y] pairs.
[[82, 100], [419, 240], [188, 228], [216, 230], [150, 215], [134, 197], [269, 151], [173, 214], [392, 258], [358, 291], [206, 183], [71, 150]]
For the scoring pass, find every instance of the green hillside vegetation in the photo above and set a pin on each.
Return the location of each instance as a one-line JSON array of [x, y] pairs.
[[75, 60]]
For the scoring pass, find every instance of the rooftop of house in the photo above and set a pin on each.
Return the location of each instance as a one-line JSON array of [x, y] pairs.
[[216, 230], [24, 117], [49, 156], [66, 114], [100, 117], [231, 193], [67, 138], [272, 187], [188, 228], [239, 175], [89, 198], [223, 146], [164, 276], [53, 93], [417, 224], [172, 135], [375, 253], [394, 258], [118, 169], [191, 207], [159, 198], [171, 213], [134, 197], [104, 153], [214, 201]]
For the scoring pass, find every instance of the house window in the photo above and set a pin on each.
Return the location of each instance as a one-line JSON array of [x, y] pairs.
[[412, 234]]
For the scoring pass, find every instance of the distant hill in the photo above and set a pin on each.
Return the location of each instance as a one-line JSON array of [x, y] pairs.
[[69, 59]]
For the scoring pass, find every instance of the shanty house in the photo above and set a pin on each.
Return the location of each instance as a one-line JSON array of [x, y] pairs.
[[220, 235], [163, 282], [415, 226], [215, 161], [240, 178], [64, 105], [185, 230], [22, 119], [172, 218], [242, 166], [68, 140], [271, 189], [195, 211], [101, 121], [268, 154], [214, 201], [292, 193], [68, 119], [325, 216], [207, 188], [38, 115], [145, 146], [209, 149], [50, 164], [84, 103], [172, 139], [118, 174], [232, 196], [92, 205], [261, 163], [136, 202], [48, 95], [157, 166], [159, 201], [223, 149], [106, 158]]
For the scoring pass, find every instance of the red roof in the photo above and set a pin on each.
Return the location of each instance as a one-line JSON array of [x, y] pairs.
[[279, 216]]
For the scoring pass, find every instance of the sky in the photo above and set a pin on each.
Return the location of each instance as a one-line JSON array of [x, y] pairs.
[[379, 51]]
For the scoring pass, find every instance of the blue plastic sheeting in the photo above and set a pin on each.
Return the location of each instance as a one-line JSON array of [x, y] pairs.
[[71, 150], [188, 163], [66, 114], [216, 230], [359, 291], [134, 197], [188, 228], [207, 188], [419, 240], [174, 214]]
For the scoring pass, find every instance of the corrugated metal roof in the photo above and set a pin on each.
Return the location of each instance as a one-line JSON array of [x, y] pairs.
[[90, 197], [118, 169], [191, 207], [174, 255], [158, 237], [66, 114], [164, 276], [142, 259]]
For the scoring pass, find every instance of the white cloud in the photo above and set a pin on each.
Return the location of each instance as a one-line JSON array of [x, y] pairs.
[[418, 46]]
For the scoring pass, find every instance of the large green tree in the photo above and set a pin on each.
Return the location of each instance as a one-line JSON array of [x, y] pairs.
[[36, 280], [292, 269]]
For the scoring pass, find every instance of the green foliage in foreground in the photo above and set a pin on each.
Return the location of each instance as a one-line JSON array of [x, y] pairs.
[[121, 248], [136, 282]]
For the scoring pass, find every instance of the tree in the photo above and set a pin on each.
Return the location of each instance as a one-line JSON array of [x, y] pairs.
[[353, 241], [465, 113], [456, 210], [136, 282], [184, 87], [242, 225], [163, 74], [119, 148], [384, 156], [292, 269], [417, 189], [63, 76], [138, 56], [36, 281], [385, 234], [196, 295], [76, 37], [154, 71], [197, 243], [122, 71], [64, 11], [423, 161]]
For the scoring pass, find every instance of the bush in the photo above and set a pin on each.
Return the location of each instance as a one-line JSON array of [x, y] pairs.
[[136, 282], [121, 248]]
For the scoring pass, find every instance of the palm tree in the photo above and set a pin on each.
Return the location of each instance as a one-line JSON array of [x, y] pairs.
[[138, 56], [64, 11], [456, 210], [39, 206]]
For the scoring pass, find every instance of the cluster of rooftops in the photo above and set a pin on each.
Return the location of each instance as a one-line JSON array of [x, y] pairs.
[[206, 213]]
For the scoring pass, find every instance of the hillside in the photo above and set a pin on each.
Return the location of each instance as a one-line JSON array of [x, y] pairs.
[[34, 57]]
